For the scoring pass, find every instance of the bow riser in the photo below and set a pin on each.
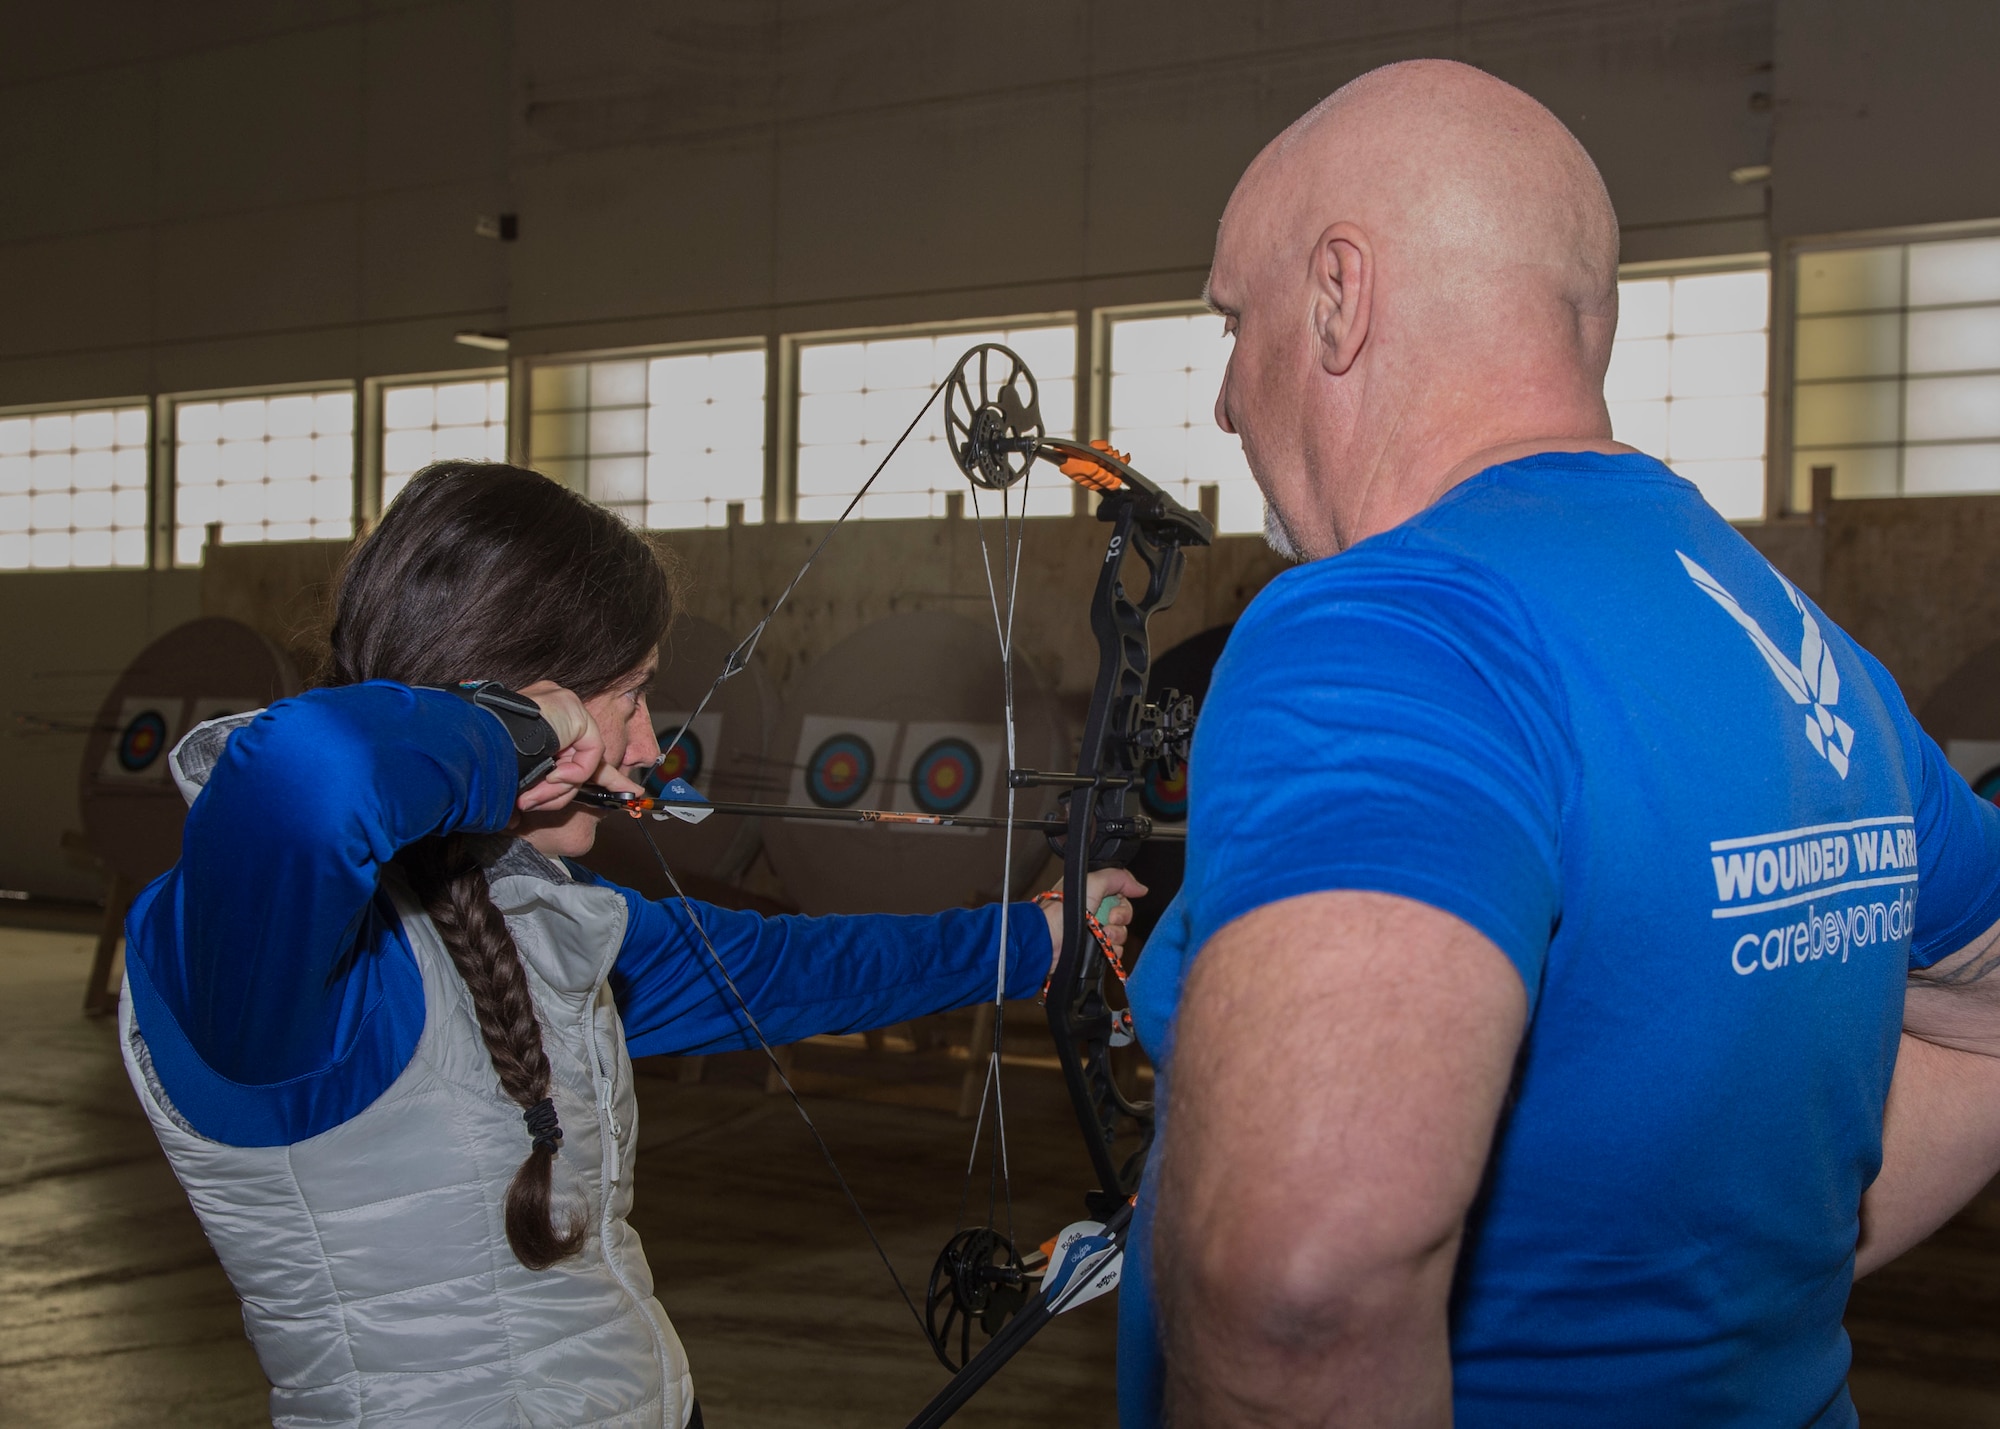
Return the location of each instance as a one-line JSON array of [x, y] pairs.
[[1100, 820]]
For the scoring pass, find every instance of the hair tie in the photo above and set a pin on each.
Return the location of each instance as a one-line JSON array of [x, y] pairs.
[[543, 1127]]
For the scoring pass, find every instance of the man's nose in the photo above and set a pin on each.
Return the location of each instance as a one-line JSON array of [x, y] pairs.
[[1222, 405]]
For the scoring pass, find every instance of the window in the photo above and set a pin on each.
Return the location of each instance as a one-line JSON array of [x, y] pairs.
[[1688, 381], [423, 422], [856, 395], [669, 441], [1166, 371], [1896, 368], [73, 488], [268, 468]]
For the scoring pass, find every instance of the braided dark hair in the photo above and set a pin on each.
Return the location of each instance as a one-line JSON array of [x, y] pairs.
[[485, 571]]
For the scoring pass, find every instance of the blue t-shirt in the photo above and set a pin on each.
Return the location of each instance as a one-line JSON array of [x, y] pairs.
[[1569, 705], [276, 987]]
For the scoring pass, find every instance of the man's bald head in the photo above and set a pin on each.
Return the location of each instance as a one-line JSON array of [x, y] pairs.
[[1422, 268]]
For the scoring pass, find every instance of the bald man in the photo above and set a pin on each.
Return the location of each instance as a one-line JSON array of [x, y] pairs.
[[1556, 871]]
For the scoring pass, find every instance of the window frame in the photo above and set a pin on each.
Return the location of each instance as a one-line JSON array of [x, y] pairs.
[[167, 447], [521, 395], [783, 503], [1735, 263], [1103, 320], [368, 501], [153, 471], [1784, 334]]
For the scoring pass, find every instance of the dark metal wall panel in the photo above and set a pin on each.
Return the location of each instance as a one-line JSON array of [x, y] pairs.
[[1887, 114]]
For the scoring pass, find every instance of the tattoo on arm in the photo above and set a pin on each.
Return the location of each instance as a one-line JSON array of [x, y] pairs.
[[1971, 964]]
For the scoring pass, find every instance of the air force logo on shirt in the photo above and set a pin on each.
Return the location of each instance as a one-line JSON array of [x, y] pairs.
[[1814, 681]]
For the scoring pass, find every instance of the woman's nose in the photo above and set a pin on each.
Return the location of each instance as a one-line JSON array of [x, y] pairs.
[[644, 746]]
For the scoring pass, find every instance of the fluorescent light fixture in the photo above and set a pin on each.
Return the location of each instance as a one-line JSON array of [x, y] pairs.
[[490, 341], [1750, 174]]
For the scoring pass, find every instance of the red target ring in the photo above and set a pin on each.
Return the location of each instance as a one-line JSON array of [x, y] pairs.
[[945, 777]]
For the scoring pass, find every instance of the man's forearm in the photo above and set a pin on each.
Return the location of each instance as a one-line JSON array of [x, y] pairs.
[[1940, 1146]]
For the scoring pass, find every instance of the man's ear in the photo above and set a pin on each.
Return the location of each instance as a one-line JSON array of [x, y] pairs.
[[1343, 288]]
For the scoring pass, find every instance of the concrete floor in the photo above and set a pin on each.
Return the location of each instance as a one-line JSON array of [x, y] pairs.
[[113, 1311]]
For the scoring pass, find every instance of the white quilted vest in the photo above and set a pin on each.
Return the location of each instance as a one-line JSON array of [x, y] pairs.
[[372, 1259]]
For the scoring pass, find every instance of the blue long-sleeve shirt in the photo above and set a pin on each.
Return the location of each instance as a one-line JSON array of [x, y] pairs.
[[277, 989]]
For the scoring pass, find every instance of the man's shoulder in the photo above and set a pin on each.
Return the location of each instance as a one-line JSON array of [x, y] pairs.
[[1520, 560], [1425, 574]]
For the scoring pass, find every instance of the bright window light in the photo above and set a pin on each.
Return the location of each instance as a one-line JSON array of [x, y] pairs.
[[73, 489], [1896, 372], [1165, 375], [857, 395], [667, 442], [1688, 380], [423, 422], [276, 468]]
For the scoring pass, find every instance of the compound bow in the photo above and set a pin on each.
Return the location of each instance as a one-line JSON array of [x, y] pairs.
[[995, 432]]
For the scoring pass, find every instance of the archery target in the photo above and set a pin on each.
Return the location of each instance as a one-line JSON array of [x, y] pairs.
[[840, 771], [132, 810], [1164, 794], [146, 728], [946, 775], [946, 768], [838, 762], [903, 716]]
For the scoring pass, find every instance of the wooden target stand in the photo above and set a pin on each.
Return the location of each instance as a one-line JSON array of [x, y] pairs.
[[132, 809], [906, 715]]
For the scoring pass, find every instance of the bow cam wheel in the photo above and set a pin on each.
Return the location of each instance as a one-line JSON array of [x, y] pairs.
[[992, 416], [979, 1277]]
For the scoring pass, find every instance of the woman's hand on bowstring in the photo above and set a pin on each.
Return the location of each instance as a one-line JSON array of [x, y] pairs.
[[581, 760], [1108, 893]]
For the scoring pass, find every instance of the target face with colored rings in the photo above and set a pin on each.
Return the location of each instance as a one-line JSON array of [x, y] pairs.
[[683, 761], [945, 777], [1165, 792], [1987, 786], [142, 740], [840, 771]]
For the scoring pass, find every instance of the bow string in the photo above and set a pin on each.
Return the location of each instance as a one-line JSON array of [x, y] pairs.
[[995, 433]]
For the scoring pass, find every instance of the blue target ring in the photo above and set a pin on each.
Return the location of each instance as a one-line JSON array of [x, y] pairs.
[[840, 771], [144, 737], [945, 777]]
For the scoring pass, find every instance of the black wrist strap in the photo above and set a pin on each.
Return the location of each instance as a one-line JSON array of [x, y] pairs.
[[534, 738]]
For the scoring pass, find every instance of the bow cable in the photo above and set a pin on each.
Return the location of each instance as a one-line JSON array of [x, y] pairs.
[[770, 1053], [739, 658], [1011, 539]]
